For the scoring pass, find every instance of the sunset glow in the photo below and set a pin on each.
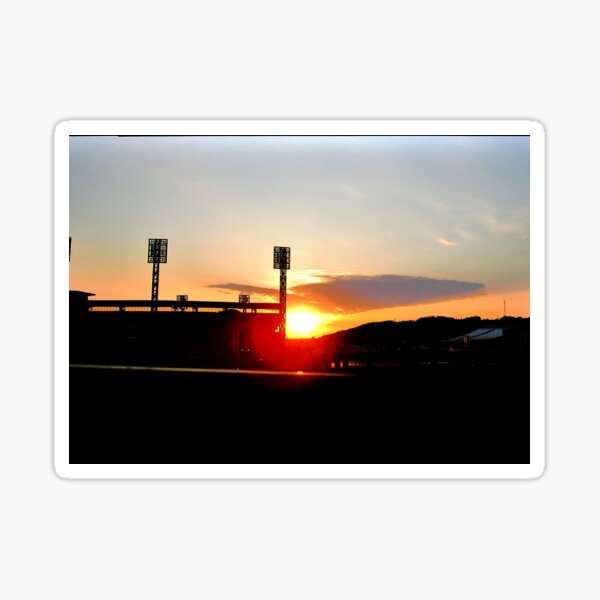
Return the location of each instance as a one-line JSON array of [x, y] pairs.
[[381, 228], [302, 324]]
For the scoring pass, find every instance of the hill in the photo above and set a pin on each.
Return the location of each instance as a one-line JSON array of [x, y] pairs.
[[425, 340]]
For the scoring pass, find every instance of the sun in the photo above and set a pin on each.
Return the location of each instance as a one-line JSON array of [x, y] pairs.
[[302, 324]]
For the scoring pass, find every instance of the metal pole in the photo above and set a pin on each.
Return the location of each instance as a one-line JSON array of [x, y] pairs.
[[282, 301], [155, 267], [281, 261], [157, 253]]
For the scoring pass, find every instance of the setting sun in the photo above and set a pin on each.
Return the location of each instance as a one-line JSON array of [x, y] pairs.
[[302, 324]]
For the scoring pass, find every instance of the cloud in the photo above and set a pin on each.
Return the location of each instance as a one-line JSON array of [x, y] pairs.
[[347, 294], [446, 242], [357, 293], [350, 191], [515, 225], [242, 288]]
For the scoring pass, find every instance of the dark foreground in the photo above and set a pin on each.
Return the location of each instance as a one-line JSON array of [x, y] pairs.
[[420, 414]]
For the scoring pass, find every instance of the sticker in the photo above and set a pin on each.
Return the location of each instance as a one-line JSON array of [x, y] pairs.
[[299, 299]]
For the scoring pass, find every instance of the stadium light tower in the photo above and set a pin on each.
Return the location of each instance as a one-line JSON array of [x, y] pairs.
[[281, 261], [157, 253], [243, 300]]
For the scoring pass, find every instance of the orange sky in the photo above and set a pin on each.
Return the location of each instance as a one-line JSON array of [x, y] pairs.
[[380, 227], [488, 306]]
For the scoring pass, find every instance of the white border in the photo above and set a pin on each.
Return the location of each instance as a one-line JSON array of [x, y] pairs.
[[299, 127]]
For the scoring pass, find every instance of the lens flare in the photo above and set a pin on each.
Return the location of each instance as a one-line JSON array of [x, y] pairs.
[[302, 324]]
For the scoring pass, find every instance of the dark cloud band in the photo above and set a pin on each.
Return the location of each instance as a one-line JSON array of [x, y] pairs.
[[351, 294], [357, 293]]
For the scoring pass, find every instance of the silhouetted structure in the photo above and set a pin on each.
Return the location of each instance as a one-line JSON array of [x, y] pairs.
[[181, 332], [157, 253], [182, 300], [430, 341], [244, 299], [281, 261]]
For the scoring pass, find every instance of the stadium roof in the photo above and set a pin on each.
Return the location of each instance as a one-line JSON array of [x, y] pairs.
[[480, 334]]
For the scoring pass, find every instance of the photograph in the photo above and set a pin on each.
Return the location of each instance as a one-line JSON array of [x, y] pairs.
[[335, 294]]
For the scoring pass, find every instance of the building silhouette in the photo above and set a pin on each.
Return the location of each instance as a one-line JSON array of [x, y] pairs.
[[181, 332]]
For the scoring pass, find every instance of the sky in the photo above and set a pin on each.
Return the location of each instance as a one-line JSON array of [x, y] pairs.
[[380, 227]]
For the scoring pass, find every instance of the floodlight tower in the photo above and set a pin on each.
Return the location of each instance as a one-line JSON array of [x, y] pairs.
[[281, 261], [157, 253], [243, 300], [181, 302]]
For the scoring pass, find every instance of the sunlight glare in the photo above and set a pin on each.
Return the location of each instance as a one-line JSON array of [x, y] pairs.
[[302, 324]]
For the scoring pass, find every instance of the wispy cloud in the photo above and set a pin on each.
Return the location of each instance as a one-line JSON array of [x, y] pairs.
[[350, 191], [517, 223], [446, 242], [467, 235], [246, 289]]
